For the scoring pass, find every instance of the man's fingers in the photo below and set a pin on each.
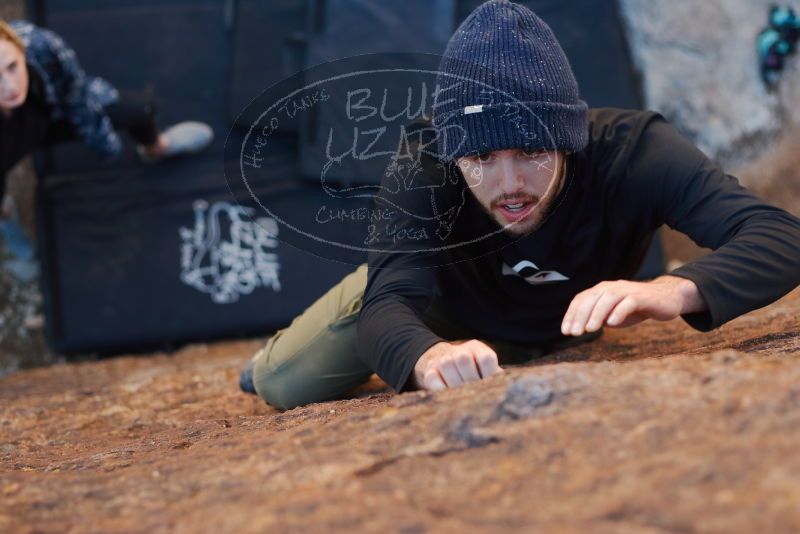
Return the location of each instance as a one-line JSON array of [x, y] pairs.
[[583, 309], [485, 358], [467, 367], [488, 364], [622, 311], [566, 323], [604, 305], [457, 364], [433, 381], [447, 368]]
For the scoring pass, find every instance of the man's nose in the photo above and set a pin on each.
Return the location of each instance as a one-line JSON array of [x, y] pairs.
[[511, 180]]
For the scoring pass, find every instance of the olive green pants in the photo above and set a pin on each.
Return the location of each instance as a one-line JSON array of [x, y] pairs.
[[315, 358]]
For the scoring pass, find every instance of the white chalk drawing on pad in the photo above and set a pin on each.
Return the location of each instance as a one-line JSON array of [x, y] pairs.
[[227, 254]]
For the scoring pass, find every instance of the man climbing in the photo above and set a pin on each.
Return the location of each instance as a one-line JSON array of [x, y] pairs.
[[563, 201]]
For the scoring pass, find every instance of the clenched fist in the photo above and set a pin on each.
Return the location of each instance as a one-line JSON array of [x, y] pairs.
[[446, 365]]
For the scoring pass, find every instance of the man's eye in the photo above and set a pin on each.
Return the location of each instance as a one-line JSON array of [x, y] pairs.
[[531, 153], [483, 158], [12, 67]]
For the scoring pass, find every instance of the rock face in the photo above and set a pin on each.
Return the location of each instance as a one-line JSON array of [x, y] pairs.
[[700, 70], [655, 428]]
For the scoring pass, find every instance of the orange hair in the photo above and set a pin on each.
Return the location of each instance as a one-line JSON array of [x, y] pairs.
[[8, 34]]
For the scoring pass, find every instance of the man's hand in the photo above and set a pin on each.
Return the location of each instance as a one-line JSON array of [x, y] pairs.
[[624, 303], [446, 365]]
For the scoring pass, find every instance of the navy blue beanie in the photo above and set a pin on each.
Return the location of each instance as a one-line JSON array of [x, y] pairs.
[[504, 82]]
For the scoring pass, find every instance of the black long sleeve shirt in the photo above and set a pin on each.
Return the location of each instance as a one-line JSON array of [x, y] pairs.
[[636, 174]]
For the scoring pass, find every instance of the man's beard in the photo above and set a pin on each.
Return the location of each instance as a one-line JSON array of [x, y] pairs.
[[541, 212]]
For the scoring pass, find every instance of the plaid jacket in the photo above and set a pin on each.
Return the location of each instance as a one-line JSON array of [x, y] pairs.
[[72, 95]]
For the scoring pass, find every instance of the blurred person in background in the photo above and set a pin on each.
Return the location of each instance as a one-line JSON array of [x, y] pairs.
[[46, 98]]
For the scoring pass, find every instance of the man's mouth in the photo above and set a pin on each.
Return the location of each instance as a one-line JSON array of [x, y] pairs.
[[517, 210]]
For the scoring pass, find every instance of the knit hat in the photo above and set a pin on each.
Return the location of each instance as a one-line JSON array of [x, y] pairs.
[[504, 82]]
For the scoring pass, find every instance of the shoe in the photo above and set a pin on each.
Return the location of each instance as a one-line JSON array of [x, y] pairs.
[[246, 378], [187, 137]]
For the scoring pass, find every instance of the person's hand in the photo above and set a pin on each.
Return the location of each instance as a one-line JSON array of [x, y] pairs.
[[446, 365], [624, 303]]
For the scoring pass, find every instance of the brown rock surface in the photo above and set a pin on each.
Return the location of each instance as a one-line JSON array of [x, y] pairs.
[[654, 428]]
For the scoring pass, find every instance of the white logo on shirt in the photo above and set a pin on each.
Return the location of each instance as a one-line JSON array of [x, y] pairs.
[[532, 274]]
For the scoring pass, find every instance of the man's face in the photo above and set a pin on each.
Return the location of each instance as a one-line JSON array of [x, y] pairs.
[[515, 187], [13, 76]]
